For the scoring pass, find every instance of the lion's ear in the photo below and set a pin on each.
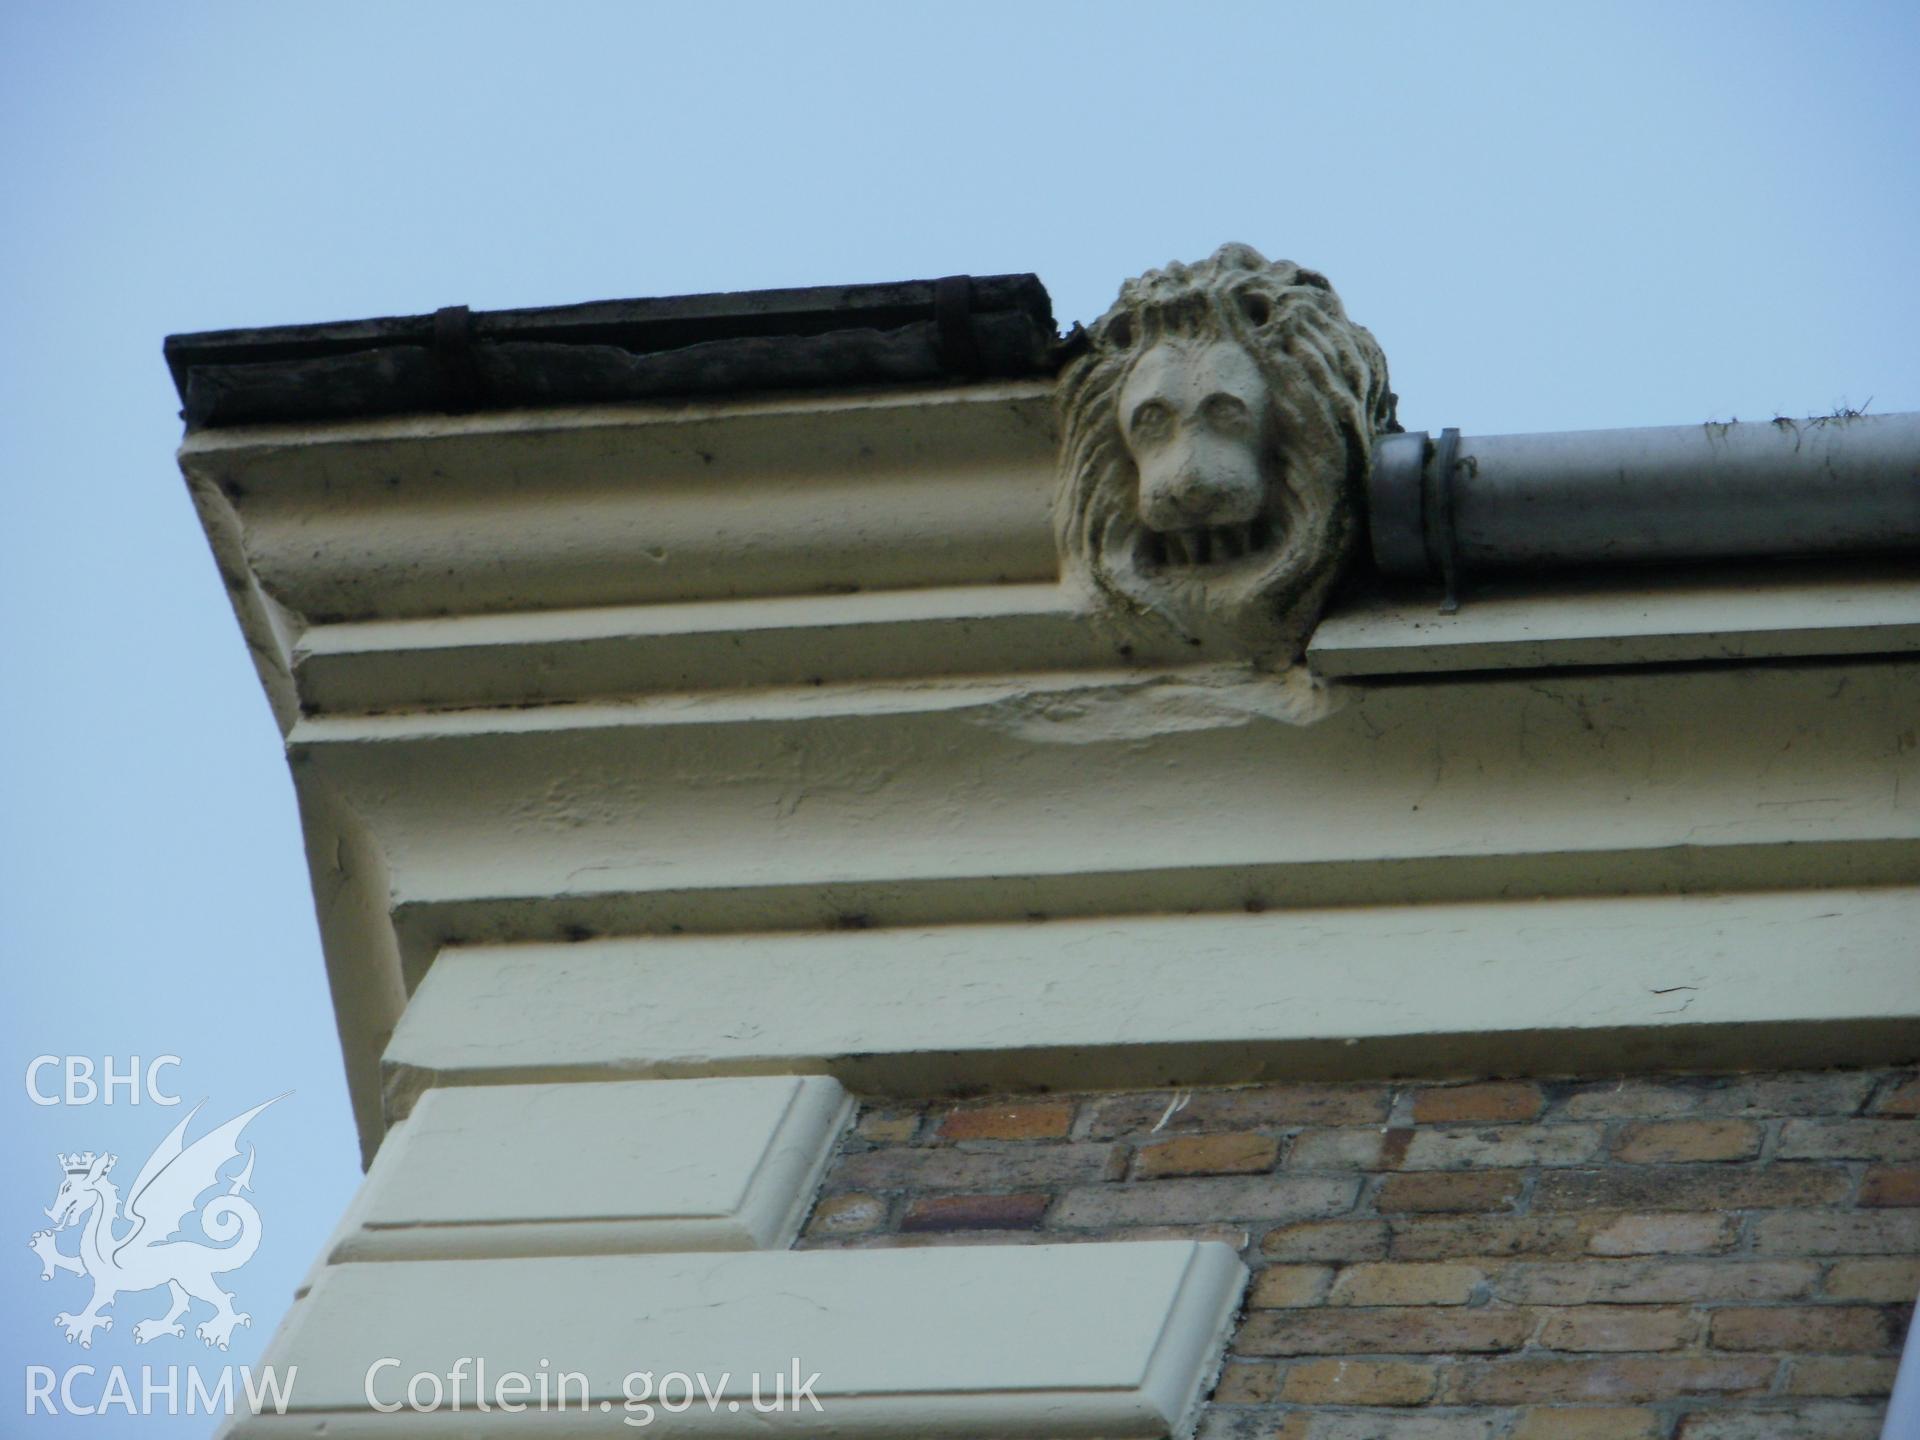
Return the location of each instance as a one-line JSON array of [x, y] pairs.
[[1236, 256]]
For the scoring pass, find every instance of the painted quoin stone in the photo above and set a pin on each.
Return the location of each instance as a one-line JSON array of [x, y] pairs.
[[1216, 436]]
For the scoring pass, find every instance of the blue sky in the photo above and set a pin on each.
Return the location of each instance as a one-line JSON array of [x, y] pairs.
[[1551, 216]]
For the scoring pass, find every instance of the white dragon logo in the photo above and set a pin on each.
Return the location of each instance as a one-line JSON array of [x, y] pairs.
[[146, 1255]]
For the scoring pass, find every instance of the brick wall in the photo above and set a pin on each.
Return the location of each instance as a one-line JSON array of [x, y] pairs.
[[1707, 1258]]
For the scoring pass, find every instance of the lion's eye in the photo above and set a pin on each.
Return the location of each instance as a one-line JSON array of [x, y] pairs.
[[1151, 420], [1228, 413]]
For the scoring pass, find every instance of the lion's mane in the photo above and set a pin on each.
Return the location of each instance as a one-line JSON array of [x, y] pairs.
[[1291, 323]]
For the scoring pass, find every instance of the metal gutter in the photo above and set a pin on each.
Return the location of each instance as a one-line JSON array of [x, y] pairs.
[[1457, 506]]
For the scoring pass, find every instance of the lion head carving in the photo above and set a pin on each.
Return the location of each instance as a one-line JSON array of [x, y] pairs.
[[1217, 434]]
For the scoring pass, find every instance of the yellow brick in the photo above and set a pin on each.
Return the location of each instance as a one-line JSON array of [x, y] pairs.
[[1243, 1384], [1892, 1281], [1682, 1141], [1664, 1235], [847, 1215], [888, 1127], [1437, 1283], [1489, 1101], [1842, 1376], [1039, 1121], [1617, 1327], [1285, 1287], [1208, 1155], [1585, 1424], [1359, 1382]]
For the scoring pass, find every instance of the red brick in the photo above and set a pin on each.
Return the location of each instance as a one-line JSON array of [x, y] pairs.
[[1590, 1423], [1692, 1187], [1680, 1141], [1617, 1327], [1850, 1140], [1327, 1240], [1894, 1281], [1891, 1185], [1040, 1121], [1901, 1097], [1841, 1376], [1580, 1289], [1492, 1101], [1414, 1330], [1654, 1282], [1207, 1155], [1816, 1329], [975, 1212], [1614, 1379], [1450, 1191], [1430, 1283], [1359, 1382], [1252, 1107], [1287, 1287]]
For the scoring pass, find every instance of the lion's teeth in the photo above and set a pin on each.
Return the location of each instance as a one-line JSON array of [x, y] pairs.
[[1207, 544]]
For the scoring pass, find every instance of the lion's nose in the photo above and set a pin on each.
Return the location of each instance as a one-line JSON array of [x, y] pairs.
[[1203, 497], [1199, 490]]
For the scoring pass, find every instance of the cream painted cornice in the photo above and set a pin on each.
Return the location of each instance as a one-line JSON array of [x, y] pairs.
[[779, 665]]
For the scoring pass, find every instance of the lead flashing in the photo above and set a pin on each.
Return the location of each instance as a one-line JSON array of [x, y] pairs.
[[958, 329]]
